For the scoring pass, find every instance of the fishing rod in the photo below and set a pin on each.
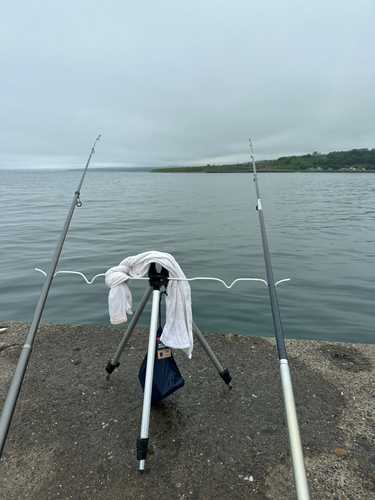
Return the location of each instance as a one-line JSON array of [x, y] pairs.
[[19, 372], [295, 445]]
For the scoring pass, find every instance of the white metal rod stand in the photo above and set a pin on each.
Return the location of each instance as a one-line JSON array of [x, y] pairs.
[[156, 280]]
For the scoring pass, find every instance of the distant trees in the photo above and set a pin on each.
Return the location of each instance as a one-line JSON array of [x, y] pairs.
[[356, 158], [363, 158]]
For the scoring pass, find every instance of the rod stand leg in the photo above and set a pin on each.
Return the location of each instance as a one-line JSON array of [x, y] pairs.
[[223, 372], [113, 363]]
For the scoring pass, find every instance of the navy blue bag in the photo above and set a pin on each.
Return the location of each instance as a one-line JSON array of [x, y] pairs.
[[167, 377]]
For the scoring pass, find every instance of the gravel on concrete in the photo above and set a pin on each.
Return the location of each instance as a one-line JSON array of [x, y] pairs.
[[73, 434]]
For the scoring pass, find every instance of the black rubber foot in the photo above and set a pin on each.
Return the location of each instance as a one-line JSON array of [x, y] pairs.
[[225, 375], [110, 367], [142, 447]]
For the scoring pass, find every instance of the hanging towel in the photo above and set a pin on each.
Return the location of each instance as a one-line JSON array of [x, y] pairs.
[[177, 332]]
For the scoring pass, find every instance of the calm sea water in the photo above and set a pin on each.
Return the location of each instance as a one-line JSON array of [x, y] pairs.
[[321, 232]]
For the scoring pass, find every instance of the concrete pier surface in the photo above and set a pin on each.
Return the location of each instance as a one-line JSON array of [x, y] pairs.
[[73, 434]]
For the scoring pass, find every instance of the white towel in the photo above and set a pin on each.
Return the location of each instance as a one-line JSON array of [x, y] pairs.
[[177, 332]]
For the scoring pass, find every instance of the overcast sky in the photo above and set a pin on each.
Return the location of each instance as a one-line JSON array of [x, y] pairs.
[[183, 82]]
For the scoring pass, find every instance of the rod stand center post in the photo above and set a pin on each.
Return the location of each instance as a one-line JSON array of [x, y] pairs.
[[156, 281]]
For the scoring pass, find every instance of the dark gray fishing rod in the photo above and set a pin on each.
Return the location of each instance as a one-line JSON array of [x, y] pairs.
[[19, 373], [295, 445]]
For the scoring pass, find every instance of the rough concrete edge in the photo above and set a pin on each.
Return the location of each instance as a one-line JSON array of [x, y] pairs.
[[353, 421]]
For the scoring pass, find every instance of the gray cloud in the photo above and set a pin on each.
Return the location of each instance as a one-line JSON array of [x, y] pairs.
[[172, 82]]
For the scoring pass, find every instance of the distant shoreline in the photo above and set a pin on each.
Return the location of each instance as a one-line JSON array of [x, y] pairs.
[[355, 160], [185, 170]]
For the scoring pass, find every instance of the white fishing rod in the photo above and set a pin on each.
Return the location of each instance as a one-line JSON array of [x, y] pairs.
[[19, 373], [295, 445]]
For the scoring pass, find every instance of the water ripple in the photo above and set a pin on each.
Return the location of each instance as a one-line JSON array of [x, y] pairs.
[[320, 230]]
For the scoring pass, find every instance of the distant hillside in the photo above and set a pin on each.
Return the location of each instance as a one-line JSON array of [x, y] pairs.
[[356, 159]]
